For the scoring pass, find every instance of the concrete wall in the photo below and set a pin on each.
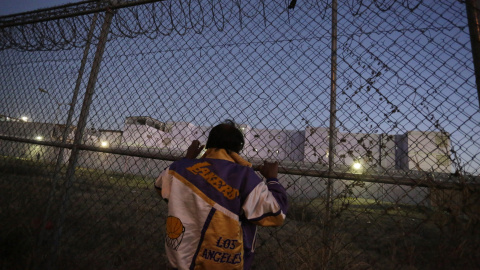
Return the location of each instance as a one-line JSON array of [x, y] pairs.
[[387, 149], [297, 139], [269, 144], [144, 136], [176, 135], [182, 134], [316, 145], [429, 151], [401, 152]]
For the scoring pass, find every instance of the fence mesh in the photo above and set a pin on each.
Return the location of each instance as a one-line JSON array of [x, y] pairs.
[[371, 108]]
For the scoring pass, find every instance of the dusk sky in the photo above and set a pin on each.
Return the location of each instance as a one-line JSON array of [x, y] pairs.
[[8, 7], [396, 73]]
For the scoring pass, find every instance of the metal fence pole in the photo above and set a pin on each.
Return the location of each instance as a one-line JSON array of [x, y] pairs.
[[473, 16], [81, 127], [59, 162], [77, 88], [332, 137]]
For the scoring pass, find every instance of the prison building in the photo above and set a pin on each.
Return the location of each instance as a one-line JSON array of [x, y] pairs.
[[143, 131], [414, 150], [387, 151], [180, 134], [273, 144], [350, 148], [424, 151], [316, 141]]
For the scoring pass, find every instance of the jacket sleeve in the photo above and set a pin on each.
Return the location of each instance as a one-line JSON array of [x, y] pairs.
[[266, 204], [163, 184]]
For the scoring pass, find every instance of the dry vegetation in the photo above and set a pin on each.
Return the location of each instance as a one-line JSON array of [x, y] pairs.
[[115, 221]]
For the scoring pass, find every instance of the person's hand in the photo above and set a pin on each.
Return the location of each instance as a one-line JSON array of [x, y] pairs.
[[194, 149], [269, 170]]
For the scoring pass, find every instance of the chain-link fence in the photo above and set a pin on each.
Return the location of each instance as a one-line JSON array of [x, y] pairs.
[[371, 108]]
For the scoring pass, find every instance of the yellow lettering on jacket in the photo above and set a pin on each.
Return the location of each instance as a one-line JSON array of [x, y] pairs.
[[213, 179]]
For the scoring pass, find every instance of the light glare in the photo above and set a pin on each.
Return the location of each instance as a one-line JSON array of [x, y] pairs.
[[357, 166]]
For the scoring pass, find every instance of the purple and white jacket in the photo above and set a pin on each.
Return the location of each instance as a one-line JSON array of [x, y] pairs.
[[214, 205]]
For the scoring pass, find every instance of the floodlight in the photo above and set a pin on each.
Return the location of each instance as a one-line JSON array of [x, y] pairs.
[[357, 165], [24, 118], [104, 144], [39, 138]]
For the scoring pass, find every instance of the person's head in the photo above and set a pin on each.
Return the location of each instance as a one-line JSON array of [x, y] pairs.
[[227, 136]]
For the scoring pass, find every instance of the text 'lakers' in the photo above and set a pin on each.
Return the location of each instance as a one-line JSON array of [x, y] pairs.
[[213, 179]]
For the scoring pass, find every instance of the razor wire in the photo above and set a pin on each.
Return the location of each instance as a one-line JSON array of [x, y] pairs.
[[403, 187], [149, 19]]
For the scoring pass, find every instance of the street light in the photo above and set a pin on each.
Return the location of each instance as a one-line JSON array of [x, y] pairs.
[[357, 165]]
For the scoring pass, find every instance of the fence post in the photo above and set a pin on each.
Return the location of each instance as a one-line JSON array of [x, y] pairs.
[[331, 139], [59, 162], [77, 87], [82, 122], [473, 15]]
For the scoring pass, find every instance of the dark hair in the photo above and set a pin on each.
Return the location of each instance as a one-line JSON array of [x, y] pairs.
[[227, 136]]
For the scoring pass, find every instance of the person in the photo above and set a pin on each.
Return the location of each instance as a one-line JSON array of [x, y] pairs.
[[216, 202]]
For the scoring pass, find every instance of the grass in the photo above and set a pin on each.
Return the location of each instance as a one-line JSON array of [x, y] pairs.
[[116, 221], [112, 221]]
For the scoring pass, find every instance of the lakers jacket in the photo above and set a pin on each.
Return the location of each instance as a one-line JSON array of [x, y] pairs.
[[214, 205]]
